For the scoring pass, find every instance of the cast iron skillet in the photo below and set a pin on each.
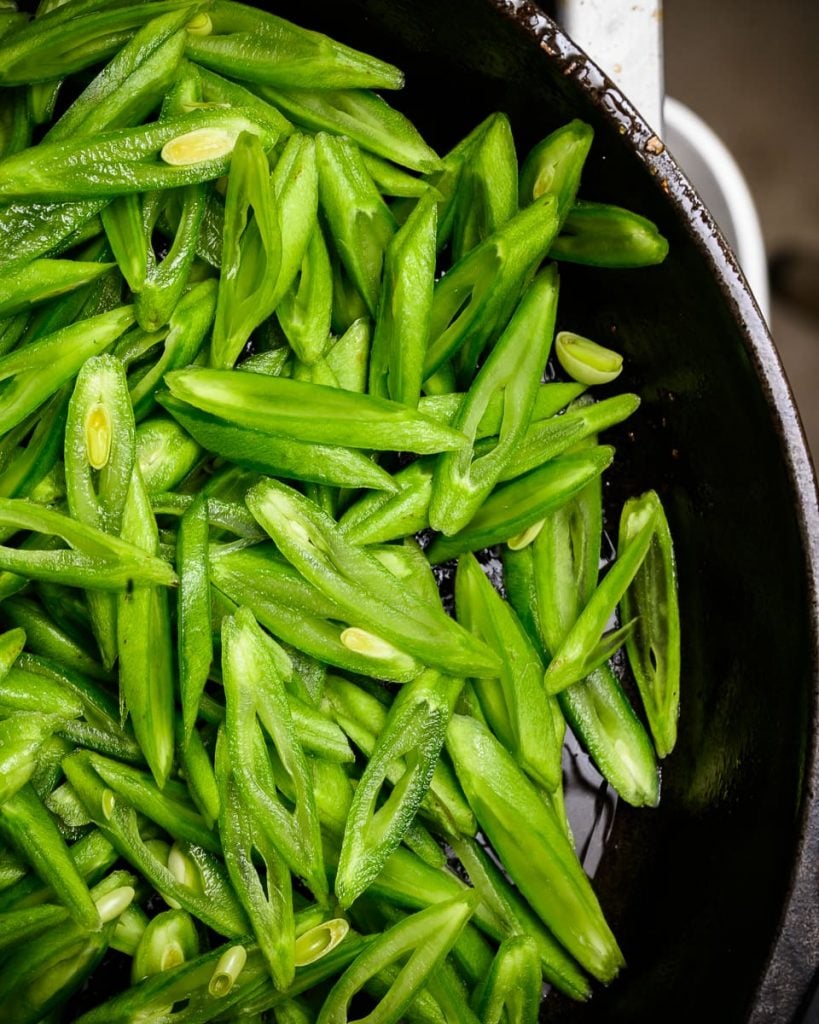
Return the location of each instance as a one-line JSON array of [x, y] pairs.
[[713, 896]]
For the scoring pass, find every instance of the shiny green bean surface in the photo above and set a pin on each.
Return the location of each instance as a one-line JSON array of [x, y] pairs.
[[301, 524]]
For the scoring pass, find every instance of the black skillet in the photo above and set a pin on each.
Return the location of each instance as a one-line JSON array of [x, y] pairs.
[[715, 895]]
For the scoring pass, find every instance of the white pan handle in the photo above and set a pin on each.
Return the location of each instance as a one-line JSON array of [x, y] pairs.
[[625, 38]]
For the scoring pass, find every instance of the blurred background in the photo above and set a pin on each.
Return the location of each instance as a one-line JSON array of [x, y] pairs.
[[750, 69]]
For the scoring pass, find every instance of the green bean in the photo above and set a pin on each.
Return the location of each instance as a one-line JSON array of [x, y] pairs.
[[251, 43], [518, 505], [15, 124], [192, 148], [269, 907], [426, 936], [653, 648], [21, 738], [197, 770], [402, 324], [523, 718], [555, 164], [550, 582], [295, 186], [254, 691], [212, 901], [392, 180], [18, 926], [608, 236], [44, 973], [551, 437], [304, 311], [62, 353], [195, 645], [463, 479], [277, 455], [360, 221], [146, 678], [318, 635], [356, 114], [129, 929], [512, 989], [26, 823], [540, 859], [43, 279], [162, 291], [70, 38], [414, 732], [487, 193], [165, 454], [475, 298], [170, 808], [585, 646], [45, 637], [503, 913], [251, 251], [92, 855], [21, 690], [24, 469], [278, 406], [375, 601], [131, 85], [168, 940]]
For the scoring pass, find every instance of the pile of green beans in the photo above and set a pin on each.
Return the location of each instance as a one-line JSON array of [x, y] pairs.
[[266, 359]]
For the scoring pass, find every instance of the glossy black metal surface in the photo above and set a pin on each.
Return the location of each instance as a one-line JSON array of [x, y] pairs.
[[713, 895]]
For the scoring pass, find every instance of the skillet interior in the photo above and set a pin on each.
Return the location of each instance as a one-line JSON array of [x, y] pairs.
[[695, 889]]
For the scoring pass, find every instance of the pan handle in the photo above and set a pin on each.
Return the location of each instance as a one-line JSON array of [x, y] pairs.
[[625, 38]]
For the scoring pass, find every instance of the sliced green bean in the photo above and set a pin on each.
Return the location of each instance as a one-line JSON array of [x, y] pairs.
[[487, 193], [212, 901], [523, 718], [359, 115], [278, 455], [402, 324], [132, 84], [309, 412], [601, 235], [512, 990], [146, 677], [360, 221], [192, 148], [540, 859], [254, 690], [516, 506], [414, 732], [426, 936], [463, 479], [26, 823], [252, 43], [371, 597], [475, 298], [585, 646], [653, 648], [269, 906], [554, 166]]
